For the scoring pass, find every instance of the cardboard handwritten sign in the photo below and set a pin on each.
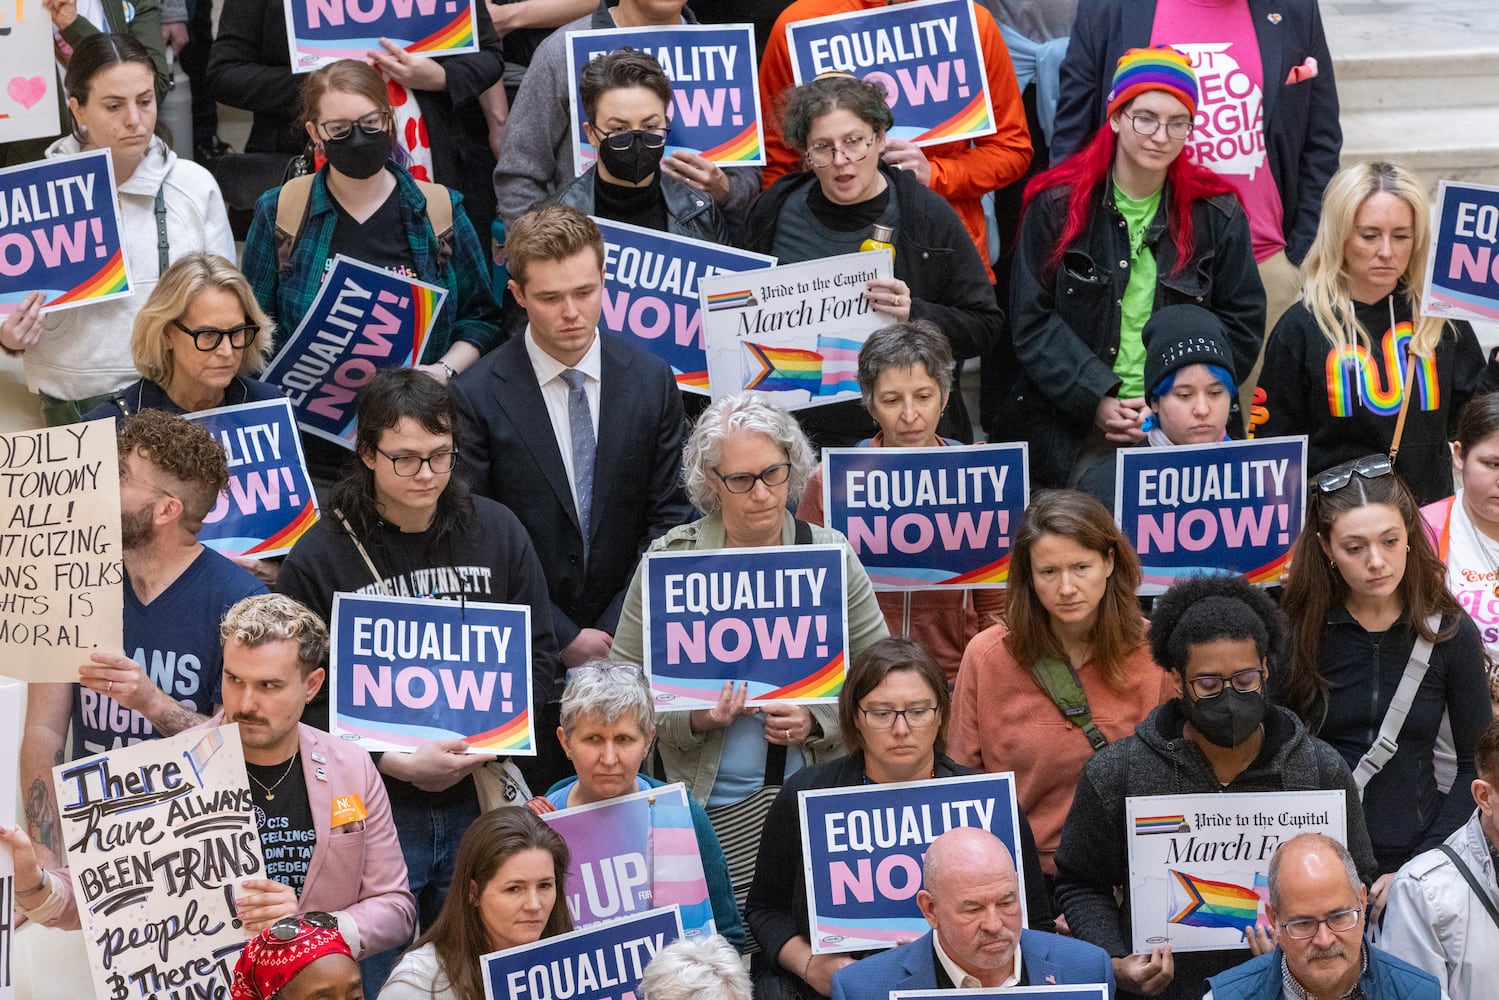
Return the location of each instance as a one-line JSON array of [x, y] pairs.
[[1199, 864], [10, 767], [862, 849], [651, 293], [715, 90], [60, 233], [60, 568], [775, 618], [363, 319], [1462, 266], [158, 836], [793, 331], [319, 32], [28, 105], [1234, 507], [269, 502], [926, 54], [633, 853], [928, 517], [406, 670], [601, 962]]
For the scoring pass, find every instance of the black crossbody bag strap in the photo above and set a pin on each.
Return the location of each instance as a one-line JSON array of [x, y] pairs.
[[1472, 880]]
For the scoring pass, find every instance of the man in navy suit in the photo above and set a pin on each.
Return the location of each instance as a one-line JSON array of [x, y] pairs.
[[971, 896], [579, 434]]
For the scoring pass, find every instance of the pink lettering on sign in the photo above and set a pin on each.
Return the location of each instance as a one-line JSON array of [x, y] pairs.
[[730, 640], [1197, 530], [419, 687], [1472, 263], [338, 12], [925, 84], [256, 492], [56, 245], [896, 877], [913, 533], [649, 317], [697, 105]]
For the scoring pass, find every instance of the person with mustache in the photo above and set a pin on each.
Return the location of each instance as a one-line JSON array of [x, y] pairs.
[[971, 896], [1317, 909]]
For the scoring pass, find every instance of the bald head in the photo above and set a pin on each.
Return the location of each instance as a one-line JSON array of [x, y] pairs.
[[1309, 855], [971, 898], [962, 853]]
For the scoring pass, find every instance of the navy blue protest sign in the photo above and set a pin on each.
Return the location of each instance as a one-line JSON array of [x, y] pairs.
[[319, 32], [269, 502], [1462, 266], [601, 962], [1233, 507], [715, 88], [60, 233], [862, 849], [406, 670], [928, 517], [650, 293], [774, 618], [363, 319], [926, 54]]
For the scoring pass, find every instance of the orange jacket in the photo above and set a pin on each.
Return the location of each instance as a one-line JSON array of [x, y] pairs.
[[962, 172]]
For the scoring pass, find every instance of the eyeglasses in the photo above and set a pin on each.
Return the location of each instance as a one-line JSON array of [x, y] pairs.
[[141, 482], [1243, 681], [1368, 467], [1305, 927], [1176, 128], [854, 149], [622, 671], [340, 128], [621, 139], [743, 482], [285, 931], [407, 466], [884, 718], [208, 338]]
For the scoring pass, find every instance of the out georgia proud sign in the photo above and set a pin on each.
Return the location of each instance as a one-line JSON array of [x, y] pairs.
[[319, 32], [1462, 266], [926, 54], [774, 618], [928, 517]]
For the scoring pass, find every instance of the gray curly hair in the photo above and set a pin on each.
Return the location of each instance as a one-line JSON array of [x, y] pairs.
[[745, 413]]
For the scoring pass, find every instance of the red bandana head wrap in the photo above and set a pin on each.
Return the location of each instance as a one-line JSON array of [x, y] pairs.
[[272, 958]]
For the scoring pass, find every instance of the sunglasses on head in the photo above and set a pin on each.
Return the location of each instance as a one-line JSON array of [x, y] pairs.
[[285, 931], [1339, 476]]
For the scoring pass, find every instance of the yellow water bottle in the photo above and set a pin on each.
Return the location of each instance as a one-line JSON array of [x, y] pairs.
[[880, 239]]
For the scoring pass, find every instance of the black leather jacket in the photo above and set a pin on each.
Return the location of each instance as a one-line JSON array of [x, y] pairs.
[[689, 212], [1066, 324]]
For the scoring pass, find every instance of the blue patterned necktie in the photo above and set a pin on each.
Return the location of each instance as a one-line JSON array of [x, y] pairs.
[[581, 420]]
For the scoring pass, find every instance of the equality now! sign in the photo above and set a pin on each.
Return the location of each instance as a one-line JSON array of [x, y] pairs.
[[406, 670], [862, 850], [926, 54], [1199, 864], [774, 618], [363, 319], [715, 89], [60, 233], [319, 32], [602, 962], [1232, 507], [926, 517], [651, 293], [1462, 266], [269, 502]]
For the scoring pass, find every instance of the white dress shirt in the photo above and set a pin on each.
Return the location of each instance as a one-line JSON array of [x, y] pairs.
[[962, 980], [554, 393]]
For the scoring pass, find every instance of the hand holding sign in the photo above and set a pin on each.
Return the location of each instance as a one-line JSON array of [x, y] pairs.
[[23, 328], [414, 72], [435, 766], [692, 169]]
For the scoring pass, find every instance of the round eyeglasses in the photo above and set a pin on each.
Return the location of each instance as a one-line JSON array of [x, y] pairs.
[[407, 466], [743, 482], [854, 149], [1243, 681], [1176, 128]]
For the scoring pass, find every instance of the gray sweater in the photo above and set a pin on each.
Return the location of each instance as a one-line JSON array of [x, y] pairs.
[[1159, 760], [536, 159]]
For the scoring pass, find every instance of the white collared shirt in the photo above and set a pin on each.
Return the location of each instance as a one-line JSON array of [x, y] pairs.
[[964, 981], [554, 393]]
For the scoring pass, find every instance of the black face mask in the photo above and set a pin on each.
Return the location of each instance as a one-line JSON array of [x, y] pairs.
[[359, 154], [635, 162], [1229, 719]]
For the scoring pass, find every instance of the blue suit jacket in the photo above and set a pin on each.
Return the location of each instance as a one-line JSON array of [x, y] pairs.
[[1046, 959]]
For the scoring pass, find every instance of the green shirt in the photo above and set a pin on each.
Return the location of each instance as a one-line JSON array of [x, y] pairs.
[[1139, 293]]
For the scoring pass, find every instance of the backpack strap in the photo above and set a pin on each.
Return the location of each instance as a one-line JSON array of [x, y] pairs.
[[440, 217], [803, 533], [291, 212], [1065, 689], [1388, 740], [1472, 880]]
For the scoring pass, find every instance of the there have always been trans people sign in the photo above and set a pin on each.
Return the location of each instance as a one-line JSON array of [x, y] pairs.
[[319, 32], [926, 54], [862, 850], [651, 293], [1234, 507], [406, 670], [774, 618], [363, 319], [715, 91], [928, 517]]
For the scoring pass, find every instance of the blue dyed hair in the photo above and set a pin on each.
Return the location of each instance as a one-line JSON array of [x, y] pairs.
[[1164, 386]]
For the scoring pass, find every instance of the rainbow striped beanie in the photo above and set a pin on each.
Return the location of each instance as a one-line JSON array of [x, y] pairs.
[[1159, 67]]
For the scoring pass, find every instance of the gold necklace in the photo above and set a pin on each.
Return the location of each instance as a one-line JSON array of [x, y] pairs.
[[270, 791]]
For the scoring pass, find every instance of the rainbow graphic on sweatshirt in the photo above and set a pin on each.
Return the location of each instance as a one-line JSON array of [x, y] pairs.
[[1375, 381]]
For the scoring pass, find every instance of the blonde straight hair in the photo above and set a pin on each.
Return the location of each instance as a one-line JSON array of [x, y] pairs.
[[1324, 286]]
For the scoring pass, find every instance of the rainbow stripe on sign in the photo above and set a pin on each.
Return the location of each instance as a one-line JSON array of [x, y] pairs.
[[1161, 824], [458, 34], [109, 280], [1215, 904], [288, 536], [513, 735], [693, 380], [744, 146], [826, 683], [731, 300], [827, 371], [973, 118], [424, 304]]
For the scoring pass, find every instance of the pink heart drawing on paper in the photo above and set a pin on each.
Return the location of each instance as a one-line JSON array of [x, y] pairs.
[[26, 90]]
